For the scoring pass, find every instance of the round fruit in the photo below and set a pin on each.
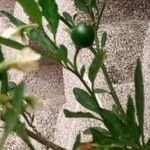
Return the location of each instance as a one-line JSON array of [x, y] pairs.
[[83, 35]]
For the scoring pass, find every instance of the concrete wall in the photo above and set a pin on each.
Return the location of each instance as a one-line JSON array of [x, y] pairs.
[[47, 83], [127, 25]]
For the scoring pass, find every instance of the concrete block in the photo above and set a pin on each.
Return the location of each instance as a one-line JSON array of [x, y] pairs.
[[47, 83]]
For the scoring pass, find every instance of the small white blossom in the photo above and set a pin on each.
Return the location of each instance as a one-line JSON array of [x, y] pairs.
[[32, 103], [16, 35], [27, 60]]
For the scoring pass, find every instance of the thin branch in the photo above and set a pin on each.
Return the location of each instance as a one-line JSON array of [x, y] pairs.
[[30, 124], [112, 90], [100, 14], [44, 141]]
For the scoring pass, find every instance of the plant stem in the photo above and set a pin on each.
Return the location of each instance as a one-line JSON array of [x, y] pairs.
[[30, 124], [75, 58], [100, 14], [83, 82], [112, 90], [44, 141]]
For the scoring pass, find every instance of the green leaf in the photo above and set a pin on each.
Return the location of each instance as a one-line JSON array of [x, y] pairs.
[[96, 65], [147, 147], [43, 40], [139, 94], [17, 105], [32, 10], [20, 130], [12, 19], [50, 11], [11, 85], [116, 126], [148, 142], [82, 6], [131, 121], [82, 71], [101, 91], [34, 34], [11, 43], [12, 114], [62, 54], [116, 111], [98, 129], [91, 3], [100, 135], [77, 142], [103, 40], [70, 114], [3, 76], [17, 101], [86, 100], [68, 17], [11, 88]]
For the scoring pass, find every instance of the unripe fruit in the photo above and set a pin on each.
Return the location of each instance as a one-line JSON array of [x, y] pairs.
[[83, 35]]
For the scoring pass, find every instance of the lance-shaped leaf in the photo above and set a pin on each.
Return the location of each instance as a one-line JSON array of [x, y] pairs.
[[82, 5], [91, 3], [32, 10], [34, 34], [68, 17], [11, 43], [100, 135], [77, 142], [103, 40], [101, 91], [86, 100], [12, 114], [70, 114], [114, 124], [131, 121], [12, 19], [96, 65], [3, 76], [139, 94], [61, 54], [50, 11]]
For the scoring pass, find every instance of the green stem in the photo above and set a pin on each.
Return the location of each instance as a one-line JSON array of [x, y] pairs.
[[75, 58], [75, 71], [101, 14], [112, 90], [82, 80], [3, 76]]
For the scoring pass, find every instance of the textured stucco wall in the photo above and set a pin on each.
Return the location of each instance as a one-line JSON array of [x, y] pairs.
[[127, 25], [47, 83]]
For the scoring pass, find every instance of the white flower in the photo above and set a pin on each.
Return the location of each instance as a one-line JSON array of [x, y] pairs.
[[32, 103], [15, 34], [27, 60], [18, 34]]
